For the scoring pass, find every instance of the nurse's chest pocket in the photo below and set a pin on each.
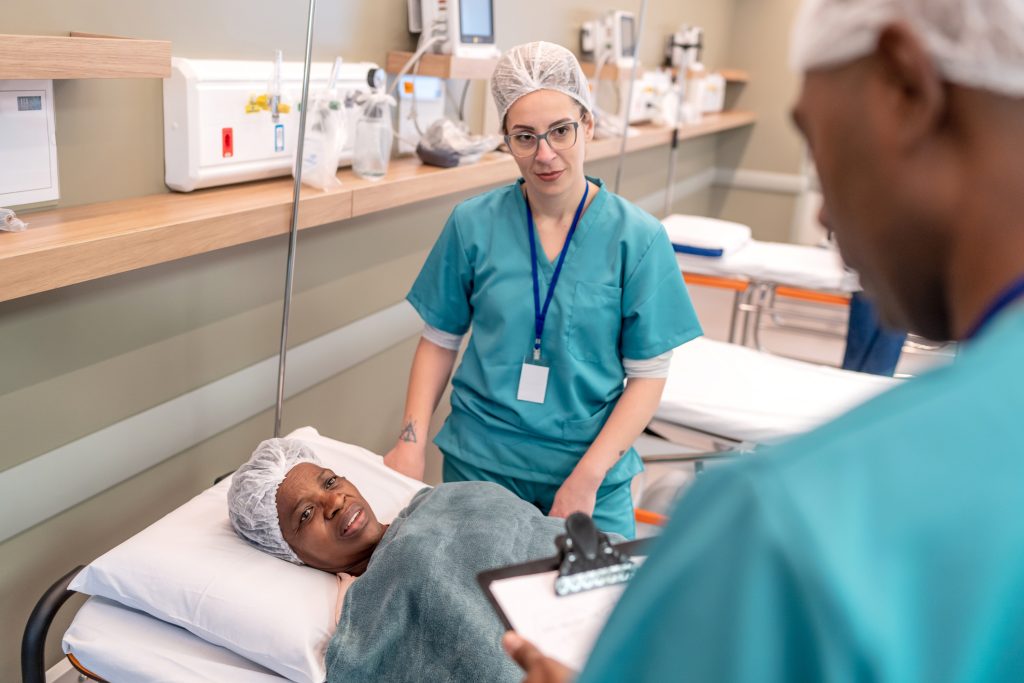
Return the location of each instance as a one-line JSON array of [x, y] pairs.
[[595, 322]]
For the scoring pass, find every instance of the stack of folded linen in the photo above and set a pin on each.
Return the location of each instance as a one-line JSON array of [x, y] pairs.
[[702, 236]]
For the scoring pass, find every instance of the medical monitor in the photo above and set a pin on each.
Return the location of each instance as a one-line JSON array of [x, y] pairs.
[[476, 22]]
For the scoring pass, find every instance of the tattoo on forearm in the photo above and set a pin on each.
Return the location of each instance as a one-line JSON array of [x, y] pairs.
[[409, 433]]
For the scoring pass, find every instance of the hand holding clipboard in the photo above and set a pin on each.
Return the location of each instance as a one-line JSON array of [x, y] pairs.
[[590, 573]]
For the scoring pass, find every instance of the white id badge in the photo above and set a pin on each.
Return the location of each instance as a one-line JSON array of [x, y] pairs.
[[533, 382]]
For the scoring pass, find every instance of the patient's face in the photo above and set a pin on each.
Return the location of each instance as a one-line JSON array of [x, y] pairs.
[[326, 521]]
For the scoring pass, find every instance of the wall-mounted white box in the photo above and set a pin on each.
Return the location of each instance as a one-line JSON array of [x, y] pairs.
[[210, 139], [28, 143]]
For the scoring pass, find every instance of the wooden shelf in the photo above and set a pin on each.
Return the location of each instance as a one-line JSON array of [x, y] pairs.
[[735, 75], [443, 66], [82, 56], [67, 246], [611, 72]]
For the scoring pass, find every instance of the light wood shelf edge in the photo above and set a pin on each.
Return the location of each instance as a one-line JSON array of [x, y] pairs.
[[68, 246], [611, 72], [443, 66], [82, 56], [735, 75]]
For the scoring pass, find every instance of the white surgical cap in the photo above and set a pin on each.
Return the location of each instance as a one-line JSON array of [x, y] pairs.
[[252, 498], [537, 66], [975, 43]]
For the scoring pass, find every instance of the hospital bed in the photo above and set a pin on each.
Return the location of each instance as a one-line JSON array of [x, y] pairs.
[[759, 271], [187, 600], [738, 396]]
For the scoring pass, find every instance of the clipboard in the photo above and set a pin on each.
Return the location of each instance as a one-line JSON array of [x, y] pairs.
[[563, 627]]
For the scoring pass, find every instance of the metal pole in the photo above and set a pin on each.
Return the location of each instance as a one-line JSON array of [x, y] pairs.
[[294, 230], [629, 94], [673, 155]]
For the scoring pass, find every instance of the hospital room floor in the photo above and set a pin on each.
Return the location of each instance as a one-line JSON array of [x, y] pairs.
[[660, 484]]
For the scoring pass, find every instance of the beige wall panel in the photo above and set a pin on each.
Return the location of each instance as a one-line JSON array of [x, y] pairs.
[[769, 215], [759, 43], [131, 342]]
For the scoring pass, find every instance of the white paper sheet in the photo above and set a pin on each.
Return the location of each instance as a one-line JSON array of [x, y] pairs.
[[563, 628]]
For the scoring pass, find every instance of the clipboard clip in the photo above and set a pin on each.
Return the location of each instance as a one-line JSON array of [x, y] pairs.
[[588, 559]]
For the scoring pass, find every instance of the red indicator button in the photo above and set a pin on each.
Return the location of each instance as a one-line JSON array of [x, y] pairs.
[[227, 142]]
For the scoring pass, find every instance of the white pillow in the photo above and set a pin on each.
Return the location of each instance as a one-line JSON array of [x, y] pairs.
[[191, 570]]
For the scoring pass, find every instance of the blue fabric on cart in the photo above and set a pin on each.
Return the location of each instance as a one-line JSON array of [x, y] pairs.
[[870, 346], [697, 251]]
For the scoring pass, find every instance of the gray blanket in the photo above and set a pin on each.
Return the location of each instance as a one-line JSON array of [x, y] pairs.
[[418, 614]]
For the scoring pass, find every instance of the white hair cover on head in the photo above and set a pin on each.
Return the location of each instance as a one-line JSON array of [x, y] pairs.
[[975, 43], [537, 66], [252, 498]]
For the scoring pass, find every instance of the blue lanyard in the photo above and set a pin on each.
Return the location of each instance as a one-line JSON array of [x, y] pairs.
[[1008, 296], [541, 314]]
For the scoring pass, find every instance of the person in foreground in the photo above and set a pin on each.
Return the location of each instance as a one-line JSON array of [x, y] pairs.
[[415, 612], [888, 545]]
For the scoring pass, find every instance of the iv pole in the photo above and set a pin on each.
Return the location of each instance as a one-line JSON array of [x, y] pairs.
[[673, 156], [293, 233]]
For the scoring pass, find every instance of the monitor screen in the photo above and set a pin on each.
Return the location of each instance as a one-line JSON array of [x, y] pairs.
[[476, 21], [626, 36]]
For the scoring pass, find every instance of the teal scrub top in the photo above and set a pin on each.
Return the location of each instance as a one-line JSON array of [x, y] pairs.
[[885, 546], [620, 294]]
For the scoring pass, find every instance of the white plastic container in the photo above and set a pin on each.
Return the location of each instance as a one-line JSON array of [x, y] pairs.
[[714, 93]]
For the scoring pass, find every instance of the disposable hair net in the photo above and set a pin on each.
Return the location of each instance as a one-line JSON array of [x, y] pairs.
[[537, 66], [252, 498], [975, 43]]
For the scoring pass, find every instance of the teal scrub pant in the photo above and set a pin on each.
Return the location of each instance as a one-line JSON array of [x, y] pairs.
[[613, 511]]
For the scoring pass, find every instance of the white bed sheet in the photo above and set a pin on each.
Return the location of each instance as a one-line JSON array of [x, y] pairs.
[[123, 645], [795, 265], [749, 395]]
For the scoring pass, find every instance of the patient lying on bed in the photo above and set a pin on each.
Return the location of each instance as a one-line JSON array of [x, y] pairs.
[[416, 612]]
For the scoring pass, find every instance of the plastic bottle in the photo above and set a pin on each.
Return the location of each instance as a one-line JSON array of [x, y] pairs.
[[373, 139], [695, 75]]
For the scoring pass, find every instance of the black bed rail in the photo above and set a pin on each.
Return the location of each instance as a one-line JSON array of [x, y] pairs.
[[33, 643]]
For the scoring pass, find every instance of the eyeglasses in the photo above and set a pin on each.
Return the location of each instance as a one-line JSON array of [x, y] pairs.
[[560, 137]]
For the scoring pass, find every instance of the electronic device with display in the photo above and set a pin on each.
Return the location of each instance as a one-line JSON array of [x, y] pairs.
[[462, 28]]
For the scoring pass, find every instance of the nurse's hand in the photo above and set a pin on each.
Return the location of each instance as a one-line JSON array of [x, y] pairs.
[[538, 668], [407, 458], [576, 494]]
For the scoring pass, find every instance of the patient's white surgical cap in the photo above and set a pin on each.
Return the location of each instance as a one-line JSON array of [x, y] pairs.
[[537, 66], [252, 498], [975, 43]]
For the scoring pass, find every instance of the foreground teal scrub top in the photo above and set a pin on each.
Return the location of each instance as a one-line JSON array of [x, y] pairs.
[[885, 546], [620, 294]]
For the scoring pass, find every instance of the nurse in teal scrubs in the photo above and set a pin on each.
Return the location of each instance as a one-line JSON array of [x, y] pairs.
[[573, 302]]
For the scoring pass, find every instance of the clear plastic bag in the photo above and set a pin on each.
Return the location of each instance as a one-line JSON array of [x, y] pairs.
[[326, 135], [447, 143], [322, 145]]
